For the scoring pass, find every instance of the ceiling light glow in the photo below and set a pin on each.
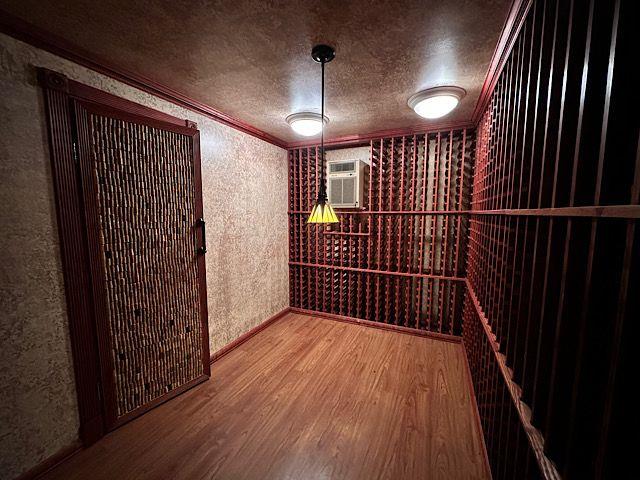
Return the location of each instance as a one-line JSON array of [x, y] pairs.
[[306, 124], [436, 102]]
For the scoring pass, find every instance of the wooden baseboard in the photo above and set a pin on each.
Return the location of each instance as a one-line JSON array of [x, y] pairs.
[[382, 326], [246, 336], [51, 462]]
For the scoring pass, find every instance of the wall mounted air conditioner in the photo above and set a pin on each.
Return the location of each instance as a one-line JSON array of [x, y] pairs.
[[345, 182]]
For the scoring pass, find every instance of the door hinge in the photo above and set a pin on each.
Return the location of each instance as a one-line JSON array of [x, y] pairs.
[[76, 157]]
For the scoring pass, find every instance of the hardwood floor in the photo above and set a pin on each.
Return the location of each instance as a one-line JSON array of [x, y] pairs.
[[307, 398]]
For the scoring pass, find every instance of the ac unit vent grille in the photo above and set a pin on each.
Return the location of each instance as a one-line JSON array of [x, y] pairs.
[[336, 191], [348, 190], [342, 167], [343, 191]]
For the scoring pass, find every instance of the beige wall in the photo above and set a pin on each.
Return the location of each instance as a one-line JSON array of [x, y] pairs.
[[350, 153], [245, 205]]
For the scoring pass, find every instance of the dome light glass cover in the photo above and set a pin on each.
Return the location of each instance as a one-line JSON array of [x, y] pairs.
[[436, 102], [306, 124]]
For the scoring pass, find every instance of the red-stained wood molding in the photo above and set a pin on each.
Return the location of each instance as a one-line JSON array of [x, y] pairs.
[[510, 31], [365, 138], [28, 33]]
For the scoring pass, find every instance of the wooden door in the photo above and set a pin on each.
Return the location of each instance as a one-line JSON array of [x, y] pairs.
[[141, 190]]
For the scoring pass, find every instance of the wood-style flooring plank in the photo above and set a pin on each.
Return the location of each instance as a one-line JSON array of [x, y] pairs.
[[307, 398]]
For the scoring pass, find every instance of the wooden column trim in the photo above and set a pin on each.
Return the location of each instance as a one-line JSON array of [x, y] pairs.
[[75, 255]]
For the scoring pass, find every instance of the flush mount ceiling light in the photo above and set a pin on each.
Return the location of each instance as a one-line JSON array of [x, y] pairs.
[[322, 211], [306, 123], [436, 102]]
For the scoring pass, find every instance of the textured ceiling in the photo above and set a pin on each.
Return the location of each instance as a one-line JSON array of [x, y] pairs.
[[251, 59]]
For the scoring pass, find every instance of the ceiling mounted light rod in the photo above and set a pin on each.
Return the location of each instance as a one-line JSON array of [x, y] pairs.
[[322, 211]]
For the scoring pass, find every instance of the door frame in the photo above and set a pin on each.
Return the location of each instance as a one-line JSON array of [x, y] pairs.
[[92, 376]]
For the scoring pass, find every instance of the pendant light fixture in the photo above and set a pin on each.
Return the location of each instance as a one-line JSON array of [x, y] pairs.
[[322, 211]]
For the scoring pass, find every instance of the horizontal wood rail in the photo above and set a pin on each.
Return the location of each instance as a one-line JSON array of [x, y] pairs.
[[346, 234], [592, 211], [535, 438], [391, 212], [605, 211], [378, 272]]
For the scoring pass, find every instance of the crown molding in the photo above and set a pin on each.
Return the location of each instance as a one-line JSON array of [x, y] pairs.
[[510, 30], [365, 138], [28, 33]]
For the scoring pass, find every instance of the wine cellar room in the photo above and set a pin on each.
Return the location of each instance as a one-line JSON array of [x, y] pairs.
[[337, 240]]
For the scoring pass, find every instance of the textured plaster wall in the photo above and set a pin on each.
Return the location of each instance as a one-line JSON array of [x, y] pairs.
[[245, 206]]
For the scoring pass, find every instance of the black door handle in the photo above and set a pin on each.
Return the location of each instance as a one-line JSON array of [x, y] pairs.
[[201, 223]]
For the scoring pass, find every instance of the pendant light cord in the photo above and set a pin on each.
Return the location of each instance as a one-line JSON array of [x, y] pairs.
[[323, 190]]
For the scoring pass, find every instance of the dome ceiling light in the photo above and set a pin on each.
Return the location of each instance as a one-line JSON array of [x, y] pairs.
[[436, 102], [307, 124]]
